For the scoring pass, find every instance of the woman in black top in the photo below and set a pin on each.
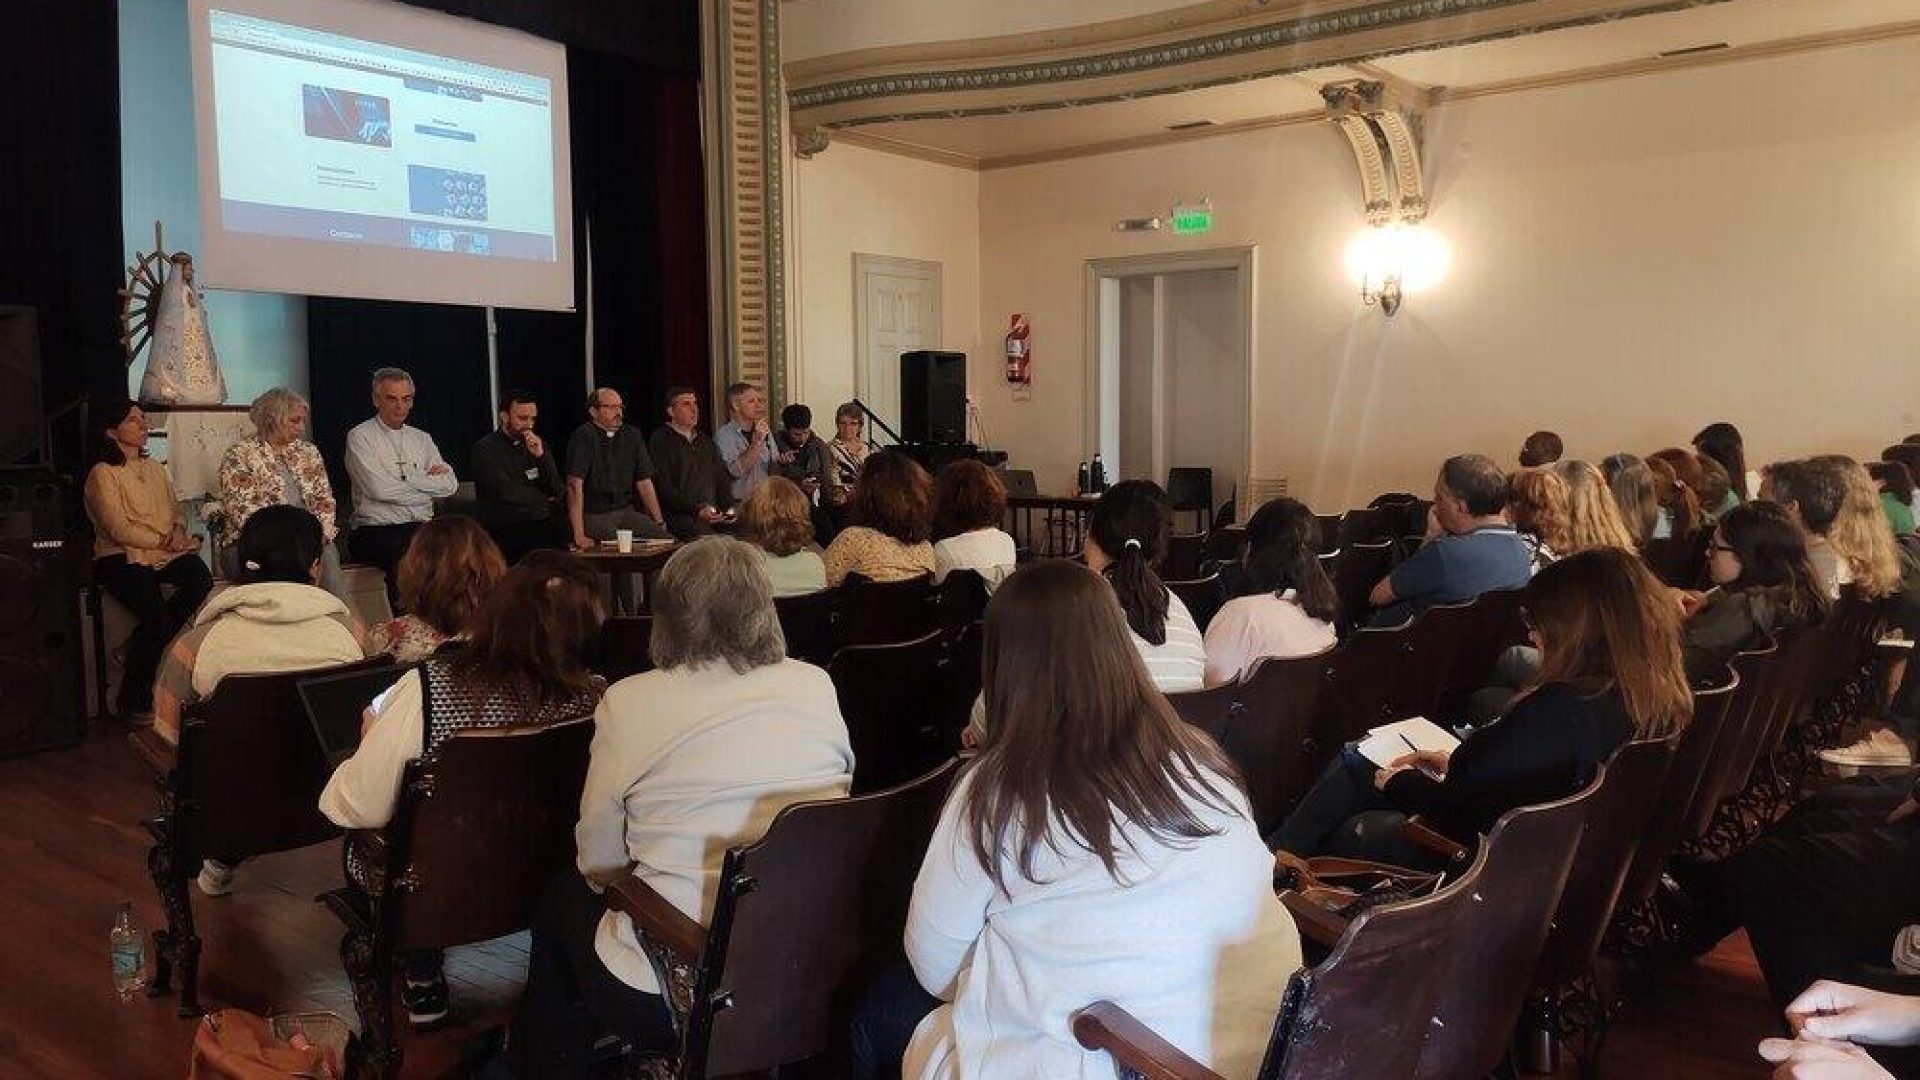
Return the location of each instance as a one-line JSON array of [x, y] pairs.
[[1762, 582], [1610, 672]]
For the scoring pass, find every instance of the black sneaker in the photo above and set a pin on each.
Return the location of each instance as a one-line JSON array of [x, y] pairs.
[[426, 1002]]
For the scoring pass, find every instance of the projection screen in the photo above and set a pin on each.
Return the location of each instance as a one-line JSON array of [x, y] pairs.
[[368, 149]]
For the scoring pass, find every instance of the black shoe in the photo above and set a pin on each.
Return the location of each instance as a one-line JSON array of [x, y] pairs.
[[427, 1005]]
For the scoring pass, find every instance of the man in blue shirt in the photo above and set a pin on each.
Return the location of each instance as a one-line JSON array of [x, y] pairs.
[[1470, 547]]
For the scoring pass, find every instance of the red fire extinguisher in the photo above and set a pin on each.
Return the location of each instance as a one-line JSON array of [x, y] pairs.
[[1019, 356]]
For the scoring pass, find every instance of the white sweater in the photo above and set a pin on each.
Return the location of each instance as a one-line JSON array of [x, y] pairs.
[[1195, 945], [1178, 664], [687, 762], [989, 551]]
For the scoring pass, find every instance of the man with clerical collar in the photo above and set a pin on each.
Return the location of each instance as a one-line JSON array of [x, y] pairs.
[[517, 482], [608, 471]]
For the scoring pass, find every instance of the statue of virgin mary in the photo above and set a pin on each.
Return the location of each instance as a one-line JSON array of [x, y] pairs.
[[181, 367]]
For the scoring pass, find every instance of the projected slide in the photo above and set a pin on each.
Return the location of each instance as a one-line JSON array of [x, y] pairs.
[[332, 138]]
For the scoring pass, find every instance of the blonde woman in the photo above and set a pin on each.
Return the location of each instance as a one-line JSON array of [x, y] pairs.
[[777, 519], [1593, 519], [1631, 481], [1537, 504], [1859, 534]]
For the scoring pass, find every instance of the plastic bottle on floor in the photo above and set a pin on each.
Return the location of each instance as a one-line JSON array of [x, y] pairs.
[[127, 948]]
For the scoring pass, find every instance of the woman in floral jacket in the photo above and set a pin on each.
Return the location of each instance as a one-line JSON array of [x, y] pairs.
[[277, 466]]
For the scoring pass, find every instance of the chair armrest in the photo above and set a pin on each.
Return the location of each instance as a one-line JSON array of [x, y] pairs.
[[1314, 921], [656, 918], [1106, 1026], [1422, 835], [159, 754]]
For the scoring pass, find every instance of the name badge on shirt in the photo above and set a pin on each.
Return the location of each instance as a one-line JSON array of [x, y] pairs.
[[533, 473]]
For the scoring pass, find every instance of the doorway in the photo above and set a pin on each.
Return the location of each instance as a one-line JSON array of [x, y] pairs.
[[1171, 378], [896, 310]]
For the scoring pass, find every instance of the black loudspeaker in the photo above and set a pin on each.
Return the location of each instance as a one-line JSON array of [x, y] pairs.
[[22, 420], [933, 397], [42, 704]]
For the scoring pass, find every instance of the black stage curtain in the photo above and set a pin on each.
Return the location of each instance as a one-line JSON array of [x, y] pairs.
[[60, 190]]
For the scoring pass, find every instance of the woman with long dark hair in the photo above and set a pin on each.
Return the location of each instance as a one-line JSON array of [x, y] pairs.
[[1762, 583], [1126, 538], [140, 544], [1610, 671], [1092, 820], [1292, 609], [1721, 441]]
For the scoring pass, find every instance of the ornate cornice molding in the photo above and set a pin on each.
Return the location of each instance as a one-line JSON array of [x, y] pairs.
[[949, 80]]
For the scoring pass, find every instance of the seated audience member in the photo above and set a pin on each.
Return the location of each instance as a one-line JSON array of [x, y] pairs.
[[1541, 448], [1293, 610], [1091, 822], [1470, 547], [517, 483], [522, 664], [1811, 497], [1631, 482], [803, 457], [1537, 506], [892, 515], [1593, 518], [849, 448], [1762, 581], [693, 485], [1686, 514], [1610, 671], [1714, 488], [969, 504], [271, 619], [449, 569], [140, 543], [777, 519], [1834, 1025], [396, 472], [1907, 454], [1721, 442], [688, 760], [608, 472], [1126, 538], [277, 466], [1859, 534], [744, 440], [1896, 494]]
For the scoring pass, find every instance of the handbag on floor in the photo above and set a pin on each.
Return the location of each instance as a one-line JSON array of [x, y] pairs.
[[234, 1044]]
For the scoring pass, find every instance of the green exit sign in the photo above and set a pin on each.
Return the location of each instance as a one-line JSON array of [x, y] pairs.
[[1188, 220]]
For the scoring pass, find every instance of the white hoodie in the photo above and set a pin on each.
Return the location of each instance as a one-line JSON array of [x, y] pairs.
[[265, 627]]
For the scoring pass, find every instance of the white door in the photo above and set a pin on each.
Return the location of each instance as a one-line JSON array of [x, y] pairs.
[[896, 310]]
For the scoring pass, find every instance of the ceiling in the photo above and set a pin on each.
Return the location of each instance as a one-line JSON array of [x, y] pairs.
[[1628, 46]]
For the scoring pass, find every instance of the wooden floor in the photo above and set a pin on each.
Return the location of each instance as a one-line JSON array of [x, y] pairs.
[[73, 850]]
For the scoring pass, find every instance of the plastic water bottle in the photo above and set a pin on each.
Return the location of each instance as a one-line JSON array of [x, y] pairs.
[[1097, 473], [127, 948]]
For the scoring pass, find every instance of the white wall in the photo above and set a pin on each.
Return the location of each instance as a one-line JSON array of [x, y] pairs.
[[849, 199], [1632, 259]]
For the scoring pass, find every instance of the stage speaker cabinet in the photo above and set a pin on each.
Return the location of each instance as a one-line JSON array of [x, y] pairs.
[[22, 418], [42, 705], [933, 397]]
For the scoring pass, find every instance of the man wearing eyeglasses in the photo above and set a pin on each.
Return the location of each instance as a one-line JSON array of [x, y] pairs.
[[396, 472]]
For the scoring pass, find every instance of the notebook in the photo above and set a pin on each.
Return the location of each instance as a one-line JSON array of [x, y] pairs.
[[336, 705], [1388, 742]]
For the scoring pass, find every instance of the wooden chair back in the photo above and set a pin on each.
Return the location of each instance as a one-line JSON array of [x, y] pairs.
[[1329, 532], [251, 768], [1430, 647], [1202, 596], [905, 704], [1616, 825], [1667, 822], [960, 600], [804, 918], [1735, 744], [877, 612], [1680, 561], [1227, 543], [1366, 1010], [811, 624], [1359, 694], [1185, 552], [481, 828], [1372, 525], [624, 646], [1491, 626], [1359, 567], [1270, 738], [1498, 939]]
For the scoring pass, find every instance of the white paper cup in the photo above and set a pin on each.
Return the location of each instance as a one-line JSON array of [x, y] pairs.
[[623, 538]]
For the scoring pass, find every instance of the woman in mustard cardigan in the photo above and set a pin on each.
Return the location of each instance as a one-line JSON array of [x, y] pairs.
[[141, 543]]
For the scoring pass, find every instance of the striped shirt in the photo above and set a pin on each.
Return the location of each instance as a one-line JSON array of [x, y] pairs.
[[1180, 664]]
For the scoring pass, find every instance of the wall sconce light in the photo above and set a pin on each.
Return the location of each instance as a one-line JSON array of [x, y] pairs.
[[1395, 254], [1389, 261]]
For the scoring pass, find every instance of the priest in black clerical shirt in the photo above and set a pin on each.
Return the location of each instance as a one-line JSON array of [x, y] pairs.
[[695, 488], [517, 482]]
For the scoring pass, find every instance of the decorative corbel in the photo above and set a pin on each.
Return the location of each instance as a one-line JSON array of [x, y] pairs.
[[809, 142], [1382, 121]]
